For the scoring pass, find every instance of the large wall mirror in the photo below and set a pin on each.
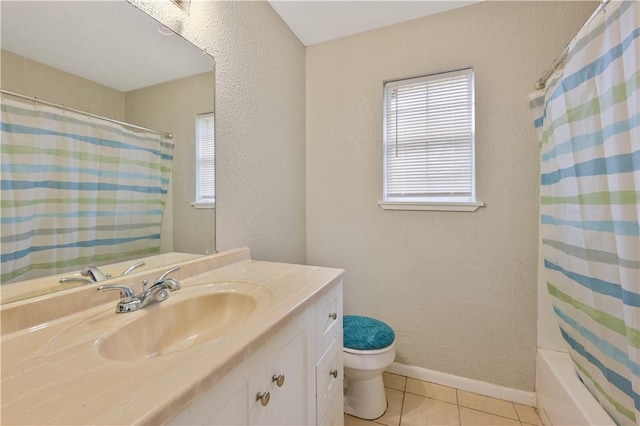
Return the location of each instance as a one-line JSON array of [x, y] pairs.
[[112, 60]]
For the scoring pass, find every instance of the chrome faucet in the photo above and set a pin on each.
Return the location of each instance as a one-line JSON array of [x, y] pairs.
[[94, 274], [91, 275], [158, 292]]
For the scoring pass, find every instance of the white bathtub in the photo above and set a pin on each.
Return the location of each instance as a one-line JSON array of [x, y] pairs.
[[562, 399]]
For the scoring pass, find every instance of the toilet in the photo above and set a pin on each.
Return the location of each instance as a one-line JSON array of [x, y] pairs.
[[369, 348]]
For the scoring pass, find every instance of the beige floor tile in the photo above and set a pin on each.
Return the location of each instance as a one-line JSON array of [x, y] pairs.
[[354, 421], [527, 414], [469, 417], [432, 390], [487, 404], [394, 381], [415, 402], [391, 417], [418, 410]]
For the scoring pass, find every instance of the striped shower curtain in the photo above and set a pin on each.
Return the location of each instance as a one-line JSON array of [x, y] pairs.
[[76, 190], [588, 122]]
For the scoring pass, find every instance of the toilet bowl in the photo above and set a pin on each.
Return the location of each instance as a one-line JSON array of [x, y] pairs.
[[369, 348]]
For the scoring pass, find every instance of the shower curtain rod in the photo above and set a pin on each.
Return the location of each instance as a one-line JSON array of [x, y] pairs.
[[542, 81], [88, 114]]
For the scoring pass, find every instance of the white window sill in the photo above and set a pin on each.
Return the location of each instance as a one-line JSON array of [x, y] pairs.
[[203, 205], [443, 206]]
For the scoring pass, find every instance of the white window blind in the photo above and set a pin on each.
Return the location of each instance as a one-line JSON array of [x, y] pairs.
[[205, 159], [429, 138]]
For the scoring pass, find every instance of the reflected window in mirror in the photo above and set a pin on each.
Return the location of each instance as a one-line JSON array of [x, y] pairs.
[[205, 161]]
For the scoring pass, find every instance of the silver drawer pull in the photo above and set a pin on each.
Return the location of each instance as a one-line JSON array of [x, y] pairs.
[[279, 379], [333, 315], [263, 398], [334, 373]]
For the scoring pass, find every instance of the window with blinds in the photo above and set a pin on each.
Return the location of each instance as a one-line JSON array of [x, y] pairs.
[[205, 161], [429, 139]]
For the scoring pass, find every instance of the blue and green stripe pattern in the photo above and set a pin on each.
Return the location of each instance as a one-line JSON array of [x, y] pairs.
[[588, 124], [76, 190]]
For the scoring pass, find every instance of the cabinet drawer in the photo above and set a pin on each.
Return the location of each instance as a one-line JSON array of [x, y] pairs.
[[328, 319], [329, 377]]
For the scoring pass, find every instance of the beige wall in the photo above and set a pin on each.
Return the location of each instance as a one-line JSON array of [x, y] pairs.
[[173, 107], [458, 288], [27, 77], [260, 123]]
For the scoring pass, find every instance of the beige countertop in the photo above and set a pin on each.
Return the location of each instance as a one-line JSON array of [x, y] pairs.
[[44, 382]]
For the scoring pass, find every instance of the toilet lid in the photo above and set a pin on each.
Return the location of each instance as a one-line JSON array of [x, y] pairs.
[[365, 333]]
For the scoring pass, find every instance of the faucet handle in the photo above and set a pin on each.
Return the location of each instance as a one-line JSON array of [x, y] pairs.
[[170, 283], [128, 301], [126, 293], [75, 279], [166, 274], [130, 269]]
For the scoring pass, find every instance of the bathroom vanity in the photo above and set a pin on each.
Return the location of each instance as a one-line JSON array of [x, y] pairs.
[[242, 342]]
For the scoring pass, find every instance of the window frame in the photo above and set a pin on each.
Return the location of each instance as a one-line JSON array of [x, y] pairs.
[[203, 201], [441, 203]]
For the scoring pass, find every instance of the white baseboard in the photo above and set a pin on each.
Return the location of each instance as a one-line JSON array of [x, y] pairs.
[[463, 383]]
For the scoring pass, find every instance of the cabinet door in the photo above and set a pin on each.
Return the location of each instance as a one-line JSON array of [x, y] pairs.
[[335, 413], [231, 411], [232, 401], [291, 375], [258, 409]]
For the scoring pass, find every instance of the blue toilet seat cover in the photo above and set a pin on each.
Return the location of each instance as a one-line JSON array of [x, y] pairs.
[[364, 333]]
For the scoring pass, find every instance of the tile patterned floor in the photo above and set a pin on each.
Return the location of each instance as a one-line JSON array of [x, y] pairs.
[[414, 402]]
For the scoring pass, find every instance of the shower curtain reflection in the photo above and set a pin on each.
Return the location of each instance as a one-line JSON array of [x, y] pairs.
[[77, 190]]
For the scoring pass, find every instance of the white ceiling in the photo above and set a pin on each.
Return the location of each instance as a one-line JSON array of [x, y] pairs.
[[316, 21], [109, 42], [117, 45]]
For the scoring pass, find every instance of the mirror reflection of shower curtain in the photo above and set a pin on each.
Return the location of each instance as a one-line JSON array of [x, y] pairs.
[[77, 190], [588, 121]]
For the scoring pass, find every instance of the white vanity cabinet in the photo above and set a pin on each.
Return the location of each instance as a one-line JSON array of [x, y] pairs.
[[295, 378]]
